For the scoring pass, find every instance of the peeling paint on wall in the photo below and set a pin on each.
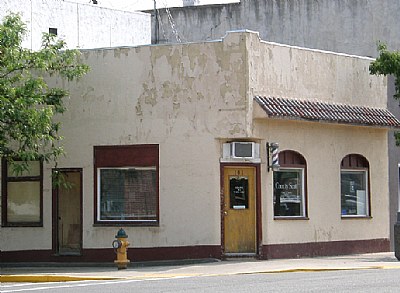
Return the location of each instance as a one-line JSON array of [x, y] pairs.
[[189, 105], [121, 51], [150, 95]]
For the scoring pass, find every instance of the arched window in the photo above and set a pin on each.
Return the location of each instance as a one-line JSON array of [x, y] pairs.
[[290, 186], [354, 176]]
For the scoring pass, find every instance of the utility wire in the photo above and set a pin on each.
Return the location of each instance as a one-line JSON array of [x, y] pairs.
[[173, 25]]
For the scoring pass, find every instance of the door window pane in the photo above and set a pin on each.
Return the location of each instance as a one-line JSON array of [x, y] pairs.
[[128, 194], [239, 193], [288, 193], [354, 193]]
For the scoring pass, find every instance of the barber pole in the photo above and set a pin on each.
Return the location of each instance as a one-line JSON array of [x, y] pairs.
[[275, 156], [272, 151]]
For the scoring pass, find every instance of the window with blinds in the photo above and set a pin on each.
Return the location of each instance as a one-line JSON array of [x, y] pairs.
[[127, 184], [128, 193]]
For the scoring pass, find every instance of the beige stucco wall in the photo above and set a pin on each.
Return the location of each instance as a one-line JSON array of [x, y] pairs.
[[292, 72], [181, 97], [188, 98], [324, 146]]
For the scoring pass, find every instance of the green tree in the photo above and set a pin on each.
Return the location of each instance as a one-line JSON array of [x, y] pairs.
[[28, 104], [388, 63]]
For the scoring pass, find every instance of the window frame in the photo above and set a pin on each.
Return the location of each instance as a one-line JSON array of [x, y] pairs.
[[295, 161], [123, 157], [356, 163], [303, 210], [99, 192], [5, 179]]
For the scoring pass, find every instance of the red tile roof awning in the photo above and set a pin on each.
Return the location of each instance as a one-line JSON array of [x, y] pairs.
[[328, 112]]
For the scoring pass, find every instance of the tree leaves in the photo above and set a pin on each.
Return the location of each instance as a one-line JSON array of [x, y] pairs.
[[27, 103], [388, 63]]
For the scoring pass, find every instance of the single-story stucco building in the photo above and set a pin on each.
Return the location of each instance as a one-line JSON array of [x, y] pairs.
[[177, 145]]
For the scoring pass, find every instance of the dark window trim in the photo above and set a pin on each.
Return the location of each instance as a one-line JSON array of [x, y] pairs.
[[290, 158], [138, 161], [4, 180], [300, 163], [356, 162], [291, 218]]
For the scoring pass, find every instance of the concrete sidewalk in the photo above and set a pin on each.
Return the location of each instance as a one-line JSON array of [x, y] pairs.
[[59, 273]]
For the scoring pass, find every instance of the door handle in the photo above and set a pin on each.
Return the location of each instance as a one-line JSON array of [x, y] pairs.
[[225, 213]]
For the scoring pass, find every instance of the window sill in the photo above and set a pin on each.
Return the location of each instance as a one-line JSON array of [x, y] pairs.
[[127, 224], [291, 218], [356, 217], [22, 225]]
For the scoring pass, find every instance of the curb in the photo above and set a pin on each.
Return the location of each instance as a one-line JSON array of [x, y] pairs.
[[50, 278], [67, 278], [307, 270], [132, 264]]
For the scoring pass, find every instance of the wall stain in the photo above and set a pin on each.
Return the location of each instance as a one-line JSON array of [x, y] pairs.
[[119, 51], [138, 108], [236, 129], [150, 95], [88, 92]]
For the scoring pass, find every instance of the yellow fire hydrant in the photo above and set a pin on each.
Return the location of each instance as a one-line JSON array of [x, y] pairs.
[[121, 247]]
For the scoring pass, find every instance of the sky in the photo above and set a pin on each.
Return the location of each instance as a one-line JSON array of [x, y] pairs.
[[132, 5]]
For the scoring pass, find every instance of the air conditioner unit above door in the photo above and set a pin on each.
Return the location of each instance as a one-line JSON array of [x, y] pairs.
[[241, 151]]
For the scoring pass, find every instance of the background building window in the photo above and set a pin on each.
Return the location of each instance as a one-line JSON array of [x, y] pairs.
[[127, 184], [354, 186], [53, 31], [22, 199], [289, 186]]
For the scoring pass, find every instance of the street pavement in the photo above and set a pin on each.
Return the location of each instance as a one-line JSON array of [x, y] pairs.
[[57, 272]]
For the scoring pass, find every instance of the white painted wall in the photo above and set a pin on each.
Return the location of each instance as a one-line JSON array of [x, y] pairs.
[[135, 5], [80, 25]]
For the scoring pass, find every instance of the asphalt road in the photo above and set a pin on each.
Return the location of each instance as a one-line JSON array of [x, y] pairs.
[[370, 280]]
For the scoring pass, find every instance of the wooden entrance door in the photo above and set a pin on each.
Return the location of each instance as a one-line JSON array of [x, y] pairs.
[[239, 210], [68, 216]]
